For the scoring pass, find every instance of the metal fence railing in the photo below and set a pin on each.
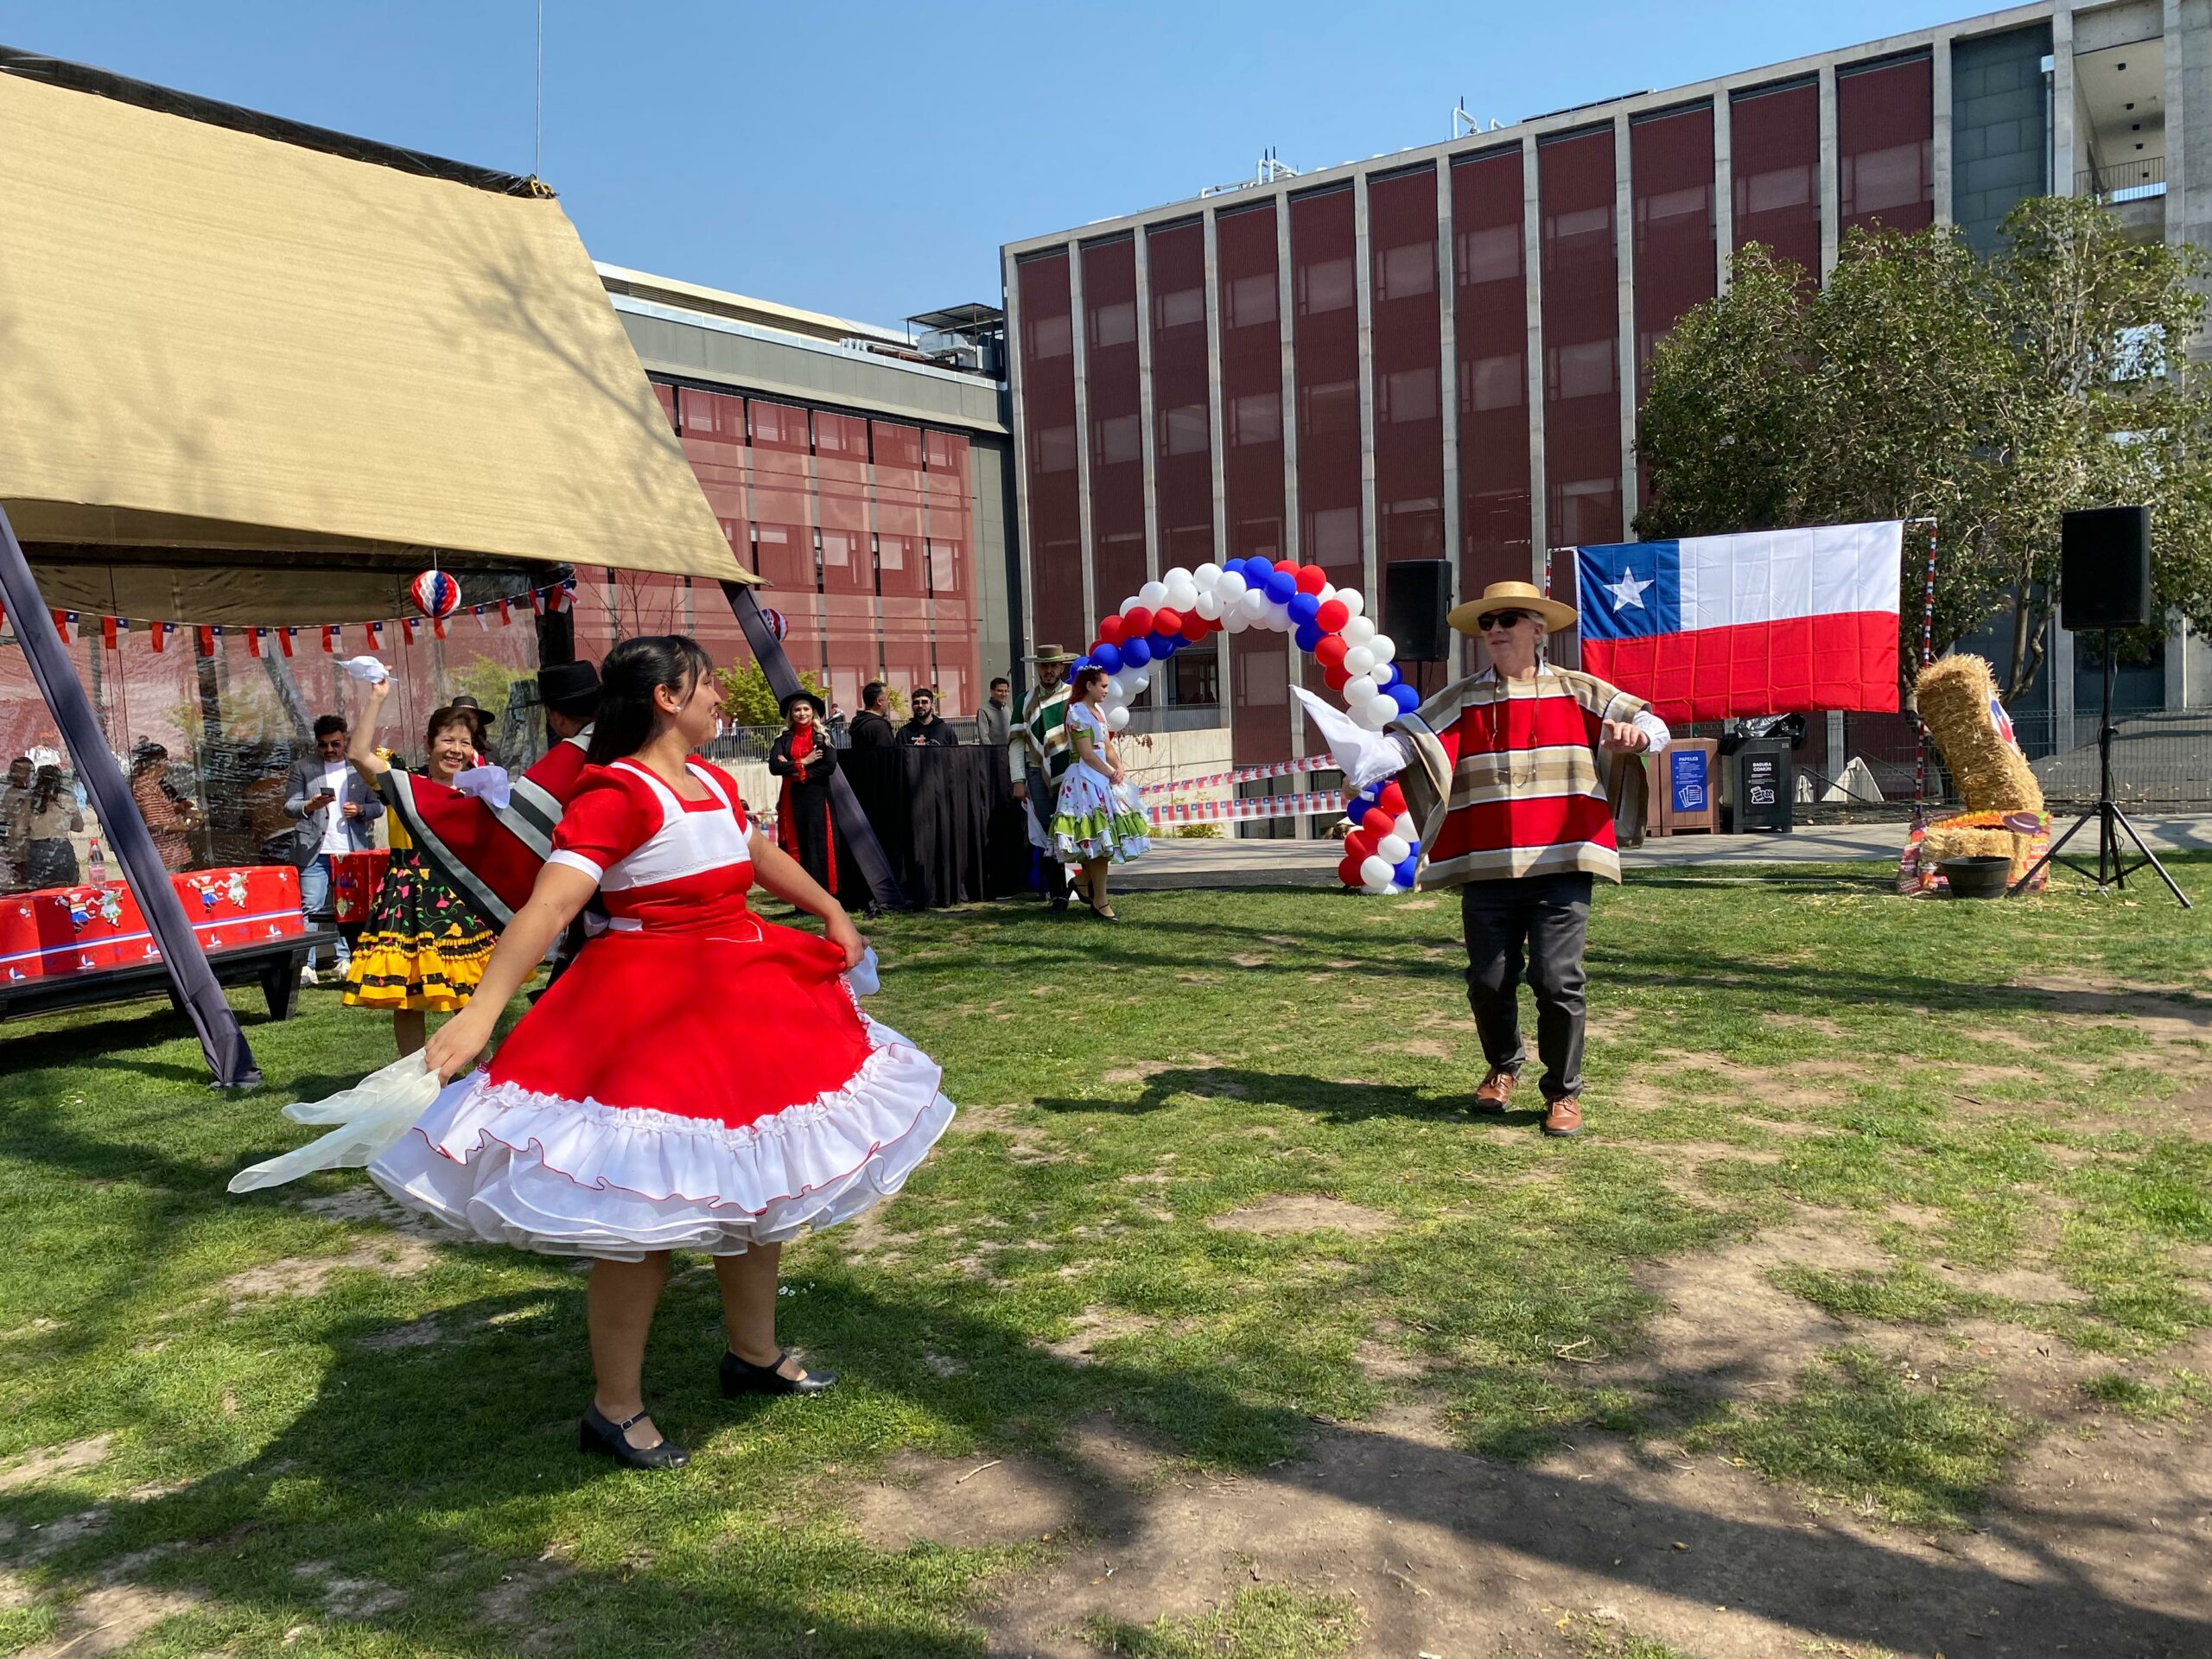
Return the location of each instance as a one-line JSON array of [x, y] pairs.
[[2132, 180], [2161, 760]]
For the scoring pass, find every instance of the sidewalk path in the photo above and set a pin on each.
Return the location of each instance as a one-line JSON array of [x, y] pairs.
[[1232, 863]]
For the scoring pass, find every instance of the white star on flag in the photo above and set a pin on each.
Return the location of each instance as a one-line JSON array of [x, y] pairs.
[[1627, 591]]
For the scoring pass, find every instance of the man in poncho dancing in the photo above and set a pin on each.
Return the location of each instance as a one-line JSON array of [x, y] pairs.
[[1514, 777]]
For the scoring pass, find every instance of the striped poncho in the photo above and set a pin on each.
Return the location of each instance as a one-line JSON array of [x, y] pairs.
[[1506, 779]]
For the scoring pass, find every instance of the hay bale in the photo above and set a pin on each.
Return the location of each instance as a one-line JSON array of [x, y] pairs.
[[1954, 694]]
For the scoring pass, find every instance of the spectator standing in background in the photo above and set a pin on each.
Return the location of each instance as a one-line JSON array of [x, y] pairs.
[[332, 807], [995, 720], [927, 729], [167, 818], [14, 801], [871, 726], [49, 817]]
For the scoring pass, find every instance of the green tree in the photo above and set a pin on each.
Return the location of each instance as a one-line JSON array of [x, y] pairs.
[[1990, 396], [748, 700]]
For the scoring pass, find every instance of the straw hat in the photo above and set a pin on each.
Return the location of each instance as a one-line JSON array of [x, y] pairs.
[[1511, 596], [1051, 654]]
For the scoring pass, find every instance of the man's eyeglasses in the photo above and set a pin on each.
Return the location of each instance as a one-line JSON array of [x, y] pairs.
[[1502, 620]]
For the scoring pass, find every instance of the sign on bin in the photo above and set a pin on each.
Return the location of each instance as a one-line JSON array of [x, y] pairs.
[[1687, 785]]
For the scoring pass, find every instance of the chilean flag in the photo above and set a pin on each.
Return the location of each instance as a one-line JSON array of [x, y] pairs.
[[1766, 623]]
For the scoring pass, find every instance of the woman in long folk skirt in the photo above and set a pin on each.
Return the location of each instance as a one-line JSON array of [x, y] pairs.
[[700, 1079]]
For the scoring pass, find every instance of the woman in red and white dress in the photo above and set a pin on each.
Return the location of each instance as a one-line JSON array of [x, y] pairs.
[[698, 1080]]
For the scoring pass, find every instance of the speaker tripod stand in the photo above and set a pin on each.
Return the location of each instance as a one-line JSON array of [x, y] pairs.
[[2109, 819]]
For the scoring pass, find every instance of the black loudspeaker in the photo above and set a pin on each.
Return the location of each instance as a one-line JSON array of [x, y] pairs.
[[2104, 570], [1416, 597]]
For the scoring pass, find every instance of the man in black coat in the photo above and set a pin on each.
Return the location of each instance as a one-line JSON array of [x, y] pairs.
[[925, 730], [871, 727]]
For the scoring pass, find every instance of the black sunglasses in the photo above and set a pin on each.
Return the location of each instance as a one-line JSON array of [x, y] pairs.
[[1505, 618]]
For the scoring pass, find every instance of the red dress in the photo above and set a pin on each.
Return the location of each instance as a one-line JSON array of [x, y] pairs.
[[699, 1079]]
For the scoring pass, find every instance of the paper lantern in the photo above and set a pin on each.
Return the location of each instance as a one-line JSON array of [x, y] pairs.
[[435, 593]]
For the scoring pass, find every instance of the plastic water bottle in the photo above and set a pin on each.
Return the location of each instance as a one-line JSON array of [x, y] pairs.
[[99, 864]]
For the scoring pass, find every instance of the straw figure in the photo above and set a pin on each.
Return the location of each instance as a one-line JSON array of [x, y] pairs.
[[1957, 696]]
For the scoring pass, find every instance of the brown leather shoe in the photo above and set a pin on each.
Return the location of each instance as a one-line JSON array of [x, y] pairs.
[[1494, 1092], [1564, 1116]]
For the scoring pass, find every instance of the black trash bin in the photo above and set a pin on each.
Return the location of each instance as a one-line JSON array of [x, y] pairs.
[[1766, 788]]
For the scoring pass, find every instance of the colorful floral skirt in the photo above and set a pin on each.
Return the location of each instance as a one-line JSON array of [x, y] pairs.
[[1094, 819], [422, 946]]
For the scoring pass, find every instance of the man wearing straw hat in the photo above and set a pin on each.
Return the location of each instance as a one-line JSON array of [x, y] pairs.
[[1513, 777], [1038, 753]]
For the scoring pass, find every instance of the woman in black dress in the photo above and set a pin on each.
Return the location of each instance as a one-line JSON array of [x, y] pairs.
[[804, 758]]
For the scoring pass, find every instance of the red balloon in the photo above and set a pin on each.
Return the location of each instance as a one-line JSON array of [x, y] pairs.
[[1312, 578], [1377, 823], [1114, 630], [1136, 624], [1330, 651], [1359, 846], [1164, 620], [1287, 566], [1392, 800], [1348, 873], [1332, 615], [1336, 678], [1196, 627]]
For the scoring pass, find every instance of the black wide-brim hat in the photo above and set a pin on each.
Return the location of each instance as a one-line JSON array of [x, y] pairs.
[[785, 707], [568, 688]]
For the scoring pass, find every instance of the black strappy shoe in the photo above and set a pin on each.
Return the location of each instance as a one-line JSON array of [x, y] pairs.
[[1102, 915], [611, 1440], [743, 1376]]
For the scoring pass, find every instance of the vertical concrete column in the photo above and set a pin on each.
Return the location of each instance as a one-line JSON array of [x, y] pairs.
[[2058, 664], [1079, 343], [1624, 290], [1216, 426], [1140, 253], [1362, 288], [1724, 187], [1447, 359], [1939, 159], [1026, 624], [1532, 257], [1285, 325], [2064, 162], [1830, 183]]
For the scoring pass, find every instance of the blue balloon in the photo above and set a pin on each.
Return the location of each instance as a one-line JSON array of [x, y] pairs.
[[1135, 653], [1282, 587], [1243, 568], [1307, 635], [1403, 875], [1405, 696], [1304, 607], [1164, 645]]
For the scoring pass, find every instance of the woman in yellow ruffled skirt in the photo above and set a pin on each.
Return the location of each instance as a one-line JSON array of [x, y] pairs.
[[423, 946]]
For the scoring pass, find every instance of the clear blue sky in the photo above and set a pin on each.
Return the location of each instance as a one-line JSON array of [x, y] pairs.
[[867, 159]]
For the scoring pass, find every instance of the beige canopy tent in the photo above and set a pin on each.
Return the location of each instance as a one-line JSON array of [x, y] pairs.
[[256, 372]]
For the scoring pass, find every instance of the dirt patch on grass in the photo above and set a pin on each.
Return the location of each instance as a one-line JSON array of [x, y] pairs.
[[417, 1333], [350, 1597], [398, 1257], [1301, 1213], [50, 1463], [368, 1202], [1094, 1326], [969, 1503], [109, 1620]]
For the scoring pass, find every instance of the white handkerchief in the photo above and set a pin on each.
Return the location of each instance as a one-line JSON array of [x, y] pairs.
[[366, 668], [488, 784], [864, 978]]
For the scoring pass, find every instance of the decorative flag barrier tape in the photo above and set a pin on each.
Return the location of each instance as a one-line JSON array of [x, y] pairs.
[[1257, 806], [72, 626], [1242, 775]]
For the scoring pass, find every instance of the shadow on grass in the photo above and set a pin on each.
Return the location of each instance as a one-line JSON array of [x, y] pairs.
[[437, 1469], [1333, 1102]]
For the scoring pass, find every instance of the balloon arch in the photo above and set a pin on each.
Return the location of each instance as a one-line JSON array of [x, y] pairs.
[[1328, 623]]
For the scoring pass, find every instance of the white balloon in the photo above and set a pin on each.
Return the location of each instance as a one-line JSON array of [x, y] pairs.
[[1358, 661], [1119, 718], [1365, 714], [1153, 595], [1130, 604], [1393, 849], [1404, 829], [1383, 711], [1328, 592], [1359, 630], [1360, 690], [1374, 875], [1254, 604], [1207, 575], [1209, 605], [1353, 602], [1178, 574], [1230, 585], [1145, 680], [1235, 620], [1182, 595], [1384, 647]]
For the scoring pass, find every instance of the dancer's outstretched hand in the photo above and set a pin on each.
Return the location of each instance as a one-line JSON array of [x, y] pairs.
[[456, 1043], [840, 931]]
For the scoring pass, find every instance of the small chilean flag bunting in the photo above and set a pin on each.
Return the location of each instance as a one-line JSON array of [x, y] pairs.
[[407, 629], [506, 614], [537, 600], [204, 637], [1708, 627], [375, 636], [566, 599], [65, 624], [477, 610], [438, 626], [329, 638], [110, 626], [286, 637], [253, 639], [157, 635]]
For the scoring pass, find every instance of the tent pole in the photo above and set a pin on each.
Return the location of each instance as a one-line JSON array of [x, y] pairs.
[[201, 998], [783, 680]]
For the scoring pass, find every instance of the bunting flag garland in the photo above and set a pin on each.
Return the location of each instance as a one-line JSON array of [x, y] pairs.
[[204, 637], [286, 638], [1243, 775], [537, 600], [329, 638], [375, 636], [477, 610], [65, 624], [507, 615], [407, 629], [159, 634], [1248, 807], [438, 626], [253, 639], [108, 629]]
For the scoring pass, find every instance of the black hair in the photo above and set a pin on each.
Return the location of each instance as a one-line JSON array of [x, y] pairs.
[[633, 671], [329, 726], [453, 714], [998, 680], [870, 692]]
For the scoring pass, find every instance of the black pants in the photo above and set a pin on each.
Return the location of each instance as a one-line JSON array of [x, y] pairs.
[[1043, 797], [1537, 923]]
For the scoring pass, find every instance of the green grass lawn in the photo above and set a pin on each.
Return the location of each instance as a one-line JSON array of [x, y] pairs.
[[297, 1430]]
